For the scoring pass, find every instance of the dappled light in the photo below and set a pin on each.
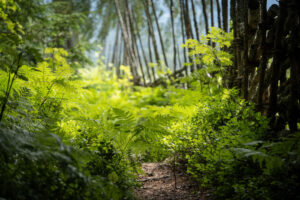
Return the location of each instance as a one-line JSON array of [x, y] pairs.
[[149, 99]]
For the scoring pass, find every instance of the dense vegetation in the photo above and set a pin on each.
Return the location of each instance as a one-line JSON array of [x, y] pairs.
[[72, 128]]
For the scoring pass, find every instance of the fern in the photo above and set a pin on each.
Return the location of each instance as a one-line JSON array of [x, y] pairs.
[[272, 156]]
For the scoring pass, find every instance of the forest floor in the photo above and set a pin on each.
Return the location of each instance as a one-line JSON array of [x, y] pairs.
[[158, 183]]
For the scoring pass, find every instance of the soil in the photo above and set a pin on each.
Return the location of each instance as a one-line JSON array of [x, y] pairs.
[[158, 183]]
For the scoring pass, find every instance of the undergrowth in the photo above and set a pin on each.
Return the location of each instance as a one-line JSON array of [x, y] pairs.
[[82, 134]]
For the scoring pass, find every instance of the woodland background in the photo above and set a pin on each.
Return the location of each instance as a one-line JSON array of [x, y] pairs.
[[211, 86]]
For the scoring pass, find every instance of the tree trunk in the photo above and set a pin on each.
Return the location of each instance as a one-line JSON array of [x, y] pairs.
[[113, 59], [150, 55], [225, 15], [119, 57], [276, 64], [205, 16], [134, 42], [294, 53], [108, 52], [188, 29], [239, 41], [212, 22], [151, 31], [159, 33], [150, 36], [212, 19], [234, 68], [219, 13], [264, 58], [245, 55], [183, 34], [173, 35], [195, 20], [131, 42], [142, 48], [128, 55]]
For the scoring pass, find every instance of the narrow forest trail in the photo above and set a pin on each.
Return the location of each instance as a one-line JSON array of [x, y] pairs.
[[158, 183]]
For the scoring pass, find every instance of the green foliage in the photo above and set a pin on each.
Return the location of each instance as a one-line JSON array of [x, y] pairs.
[[208, 55], [42, 167], [78, 134], [222, 122], [277, 164], [212, 59], [37, 85], [108, 108], [119, 179]]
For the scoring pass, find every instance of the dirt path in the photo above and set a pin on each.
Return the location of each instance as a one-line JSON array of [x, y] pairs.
[[158, 183]]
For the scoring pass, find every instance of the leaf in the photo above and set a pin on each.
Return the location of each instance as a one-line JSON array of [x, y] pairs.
[[22, 77], [253, 143]]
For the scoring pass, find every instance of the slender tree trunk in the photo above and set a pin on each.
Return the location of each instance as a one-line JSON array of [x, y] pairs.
[[126, 56], [108, 52], [225, 14], [127, 43], [151, 37], [188, 25], [119, 57], [212, 21], [195, 20], [182, 30], [142, 48], [173, 35], [151, 31], [131, 42], [239, 41], [196, 26], [134, 42], [234, 70], [219, 14], [145, 60], [183, 34], [114, 55], [150, 56], [205, 16], [264, 58], [188, 29], [246, 62], [159, 33]]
